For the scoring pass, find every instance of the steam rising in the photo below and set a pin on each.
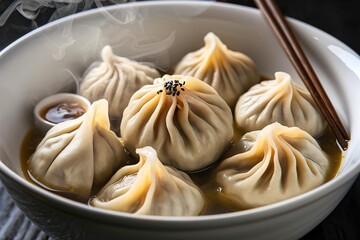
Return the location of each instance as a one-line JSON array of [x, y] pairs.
[[141, 46], [137, 44], [30, 9]]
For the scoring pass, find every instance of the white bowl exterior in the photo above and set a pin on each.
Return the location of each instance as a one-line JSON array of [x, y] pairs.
[[51, 57]]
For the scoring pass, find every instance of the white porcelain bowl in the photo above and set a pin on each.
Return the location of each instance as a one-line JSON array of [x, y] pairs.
[[45, 62]]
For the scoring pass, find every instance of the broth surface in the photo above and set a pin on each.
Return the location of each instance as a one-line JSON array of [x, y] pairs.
[[215, 201]]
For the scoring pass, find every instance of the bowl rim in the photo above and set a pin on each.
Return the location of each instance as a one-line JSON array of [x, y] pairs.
[[116, 217]]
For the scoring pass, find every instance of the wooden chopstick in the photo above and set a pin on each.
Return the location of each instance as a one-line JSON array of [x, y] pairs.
[[282, 31]]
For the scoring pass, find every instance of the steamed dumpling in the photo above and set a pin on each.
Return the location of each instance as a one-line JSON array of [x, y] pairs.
[[80, 155], [230, 73], [183, 118], [271, 165], [150, 188], [280, 100], [116, 79]]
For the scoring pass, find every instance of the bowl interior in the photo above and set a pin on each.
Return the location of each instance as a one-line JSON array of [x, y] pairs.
[[51, 59]]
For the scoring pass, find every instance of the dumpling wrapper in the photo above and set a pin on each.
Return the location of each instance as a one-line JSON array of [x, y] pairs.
[[280, 100], [80, 155], [150, 188], [116, 79], [273, 164], [229, 72], [189, 125]]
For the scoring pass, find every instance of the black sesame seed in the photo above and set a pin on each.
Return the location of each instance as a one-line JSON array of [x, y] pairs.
[[171, 87]]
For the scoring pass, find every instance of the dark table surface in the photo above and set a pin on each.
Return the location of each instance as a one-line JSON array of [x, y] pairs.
[[339, 18]]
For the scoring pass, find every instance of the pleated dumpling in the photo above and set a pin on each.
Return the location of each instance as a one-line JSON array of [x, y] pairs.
[[79, 156], [116, 79], [230, 73], [150, 188], [183, 118], [280, 100], [271, 165]]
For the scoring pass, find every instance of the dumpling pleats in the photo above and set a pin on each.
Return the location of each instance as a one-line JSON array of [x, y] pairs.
[[150, 188], [190, 126], [282, 163], [79, 155], [279, 100], [116, 79], [229, 72]]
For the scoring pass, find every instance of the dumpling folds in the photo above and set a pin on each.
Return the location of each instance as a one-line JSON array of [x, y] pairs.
[[230, 73], [183, 118], [280, 100], [281, 163], [150, 188], [80, 155], [116, 79]]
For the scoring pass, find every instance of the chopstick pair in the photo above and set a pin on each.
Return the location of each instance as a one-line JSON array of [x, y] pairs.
[[301, 64]]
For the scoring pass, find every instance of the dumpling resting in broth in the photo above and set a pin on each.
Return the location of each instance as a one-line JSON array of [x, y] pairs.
[[271, 165], [183, 118], [116, 79], [229, 72], [80, 155], [280, 100], [150, 188]]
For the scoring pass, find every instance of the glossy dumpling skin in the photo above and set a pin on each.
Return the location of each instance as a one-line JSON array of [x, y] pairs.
[[279, 100], [229, 72], [150, 188], [116, 79], [189, 125], [271, 165], [80, 155]]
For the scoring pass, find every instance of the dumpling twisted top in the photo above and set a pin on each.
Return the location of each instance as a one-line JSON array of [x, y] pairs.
[[150, 188], [271, 165], [230, 73], [116, 79], [279, 100], [183, 118], [79, 155]]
